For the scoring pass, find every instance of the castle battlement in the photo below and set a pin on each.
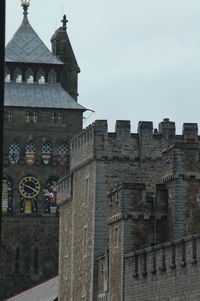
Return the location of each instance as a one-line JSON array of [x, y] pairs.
[[95, 142], [164, 269], [164, 257], [130, 191]]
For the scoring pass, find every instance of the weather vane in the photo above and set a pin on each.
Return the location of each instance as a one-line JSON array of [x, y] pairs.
[[64, 21], [25, 4]]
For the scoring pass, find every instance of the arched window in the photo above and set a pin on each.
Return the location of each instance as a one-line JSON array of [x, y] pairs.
[[63, 154], [18, 75], [7, 75], [29, 77], [14, 152], [52, 77], [7, 194], [50, 194], [30, 153], [41, 77], [46, 152], [63, 148]]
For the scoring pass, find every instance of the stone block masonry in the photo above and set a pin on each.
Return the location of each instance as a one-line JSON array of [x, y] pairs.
[[167, 272], [125, 192]]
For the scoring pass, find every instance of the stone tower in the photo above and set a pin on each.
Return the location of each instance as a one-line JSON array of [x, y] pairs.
[[40, 119], [126, 192], [61, 47]]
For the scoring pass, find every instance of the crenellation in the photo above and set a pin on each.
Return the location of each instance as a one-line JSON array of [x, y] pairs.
[[123, 128], [149, 272], [190, 132], [143, 193], [145, 127], [167, 128]]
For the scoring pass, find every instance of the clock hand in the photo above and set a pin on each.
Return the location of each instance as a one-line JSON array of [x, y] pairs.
[[31, 188]]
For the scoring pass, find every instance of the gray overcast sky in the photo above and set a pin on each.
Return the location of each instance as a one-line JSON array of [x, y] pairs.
[[139, 60]]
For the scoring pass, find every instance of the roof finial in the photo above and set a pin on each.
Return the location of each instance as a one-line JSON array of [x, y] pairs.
[[25, 4], [64, 21]]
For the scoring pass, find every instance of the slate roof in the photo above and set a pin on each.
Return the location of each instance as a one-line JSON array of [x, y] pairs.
[[47, 291], [39, 96], [26, 46]]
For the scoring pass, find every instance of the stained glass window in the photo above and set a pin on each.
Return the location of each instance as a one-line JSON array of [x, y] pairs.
[[30, 148], [47, 152], [63, 154], [14, 152], [30, 153]]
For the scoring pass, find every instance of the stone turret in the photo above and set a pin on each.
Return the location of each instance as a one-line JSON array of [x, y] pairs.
[[61, 47]]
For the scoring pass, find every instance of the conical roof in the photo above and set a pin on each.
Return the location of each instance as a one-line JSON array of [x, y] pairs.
[[63, 46], [27, 47]]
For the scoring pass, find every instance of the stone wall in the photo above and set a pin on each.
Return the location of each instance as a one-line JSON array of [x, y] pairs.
[[77, 235], [25, 231], [29, 252], [160, 193], [167, 272]]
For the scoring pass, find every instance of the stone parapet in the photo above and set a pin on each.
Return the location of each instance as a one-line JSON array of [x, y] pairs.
[[64, 190], [164, 271], [95, 142]]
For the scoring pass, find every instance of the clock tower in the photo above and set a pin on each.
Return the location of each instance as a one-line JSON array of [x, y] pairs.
[[41, 116]]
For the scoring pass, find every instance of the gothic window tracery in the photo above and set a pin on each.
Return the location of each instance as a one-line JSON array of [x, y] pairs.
[[63, 148], [30, 153], [14, 152], [47, 150], [63, 153], [7, 194], [50, 195], [41, 77], [52, 77]]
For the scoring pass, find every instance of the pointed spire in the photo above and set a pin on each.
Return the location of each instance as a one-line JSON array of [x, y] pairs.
[[64, 22], [25, 4]]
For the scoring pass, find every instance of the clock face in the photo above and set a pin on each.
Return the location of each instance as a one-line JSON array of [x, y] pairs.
[[29, 187]]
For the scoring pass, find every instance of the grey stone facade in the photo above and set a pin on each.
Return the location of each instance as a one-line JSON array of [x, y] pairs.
[[40, 120], [128, 192]]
